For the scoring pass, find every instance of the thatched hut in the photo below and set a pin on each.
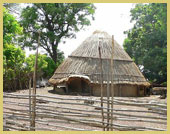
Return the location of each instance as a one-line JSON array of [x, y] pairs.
[[80, 72]]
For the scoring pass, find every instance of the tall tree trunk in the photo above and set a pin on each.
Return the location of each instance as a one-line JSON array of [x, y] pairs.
[[54, 49]]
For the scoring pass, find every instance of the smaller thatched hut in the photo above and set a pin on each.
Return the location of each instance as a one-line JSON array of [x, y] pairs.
[[80, 72]]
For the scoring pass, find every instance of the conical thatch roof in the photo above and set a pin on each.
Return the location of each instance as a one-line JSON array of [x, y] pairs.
[[85, 61]]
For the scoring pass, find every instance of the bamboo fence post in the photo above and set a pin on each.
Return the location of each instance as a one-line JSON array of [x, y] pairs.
[[101, 83], [34, 88], [30, 101], [108, 101], [112, 86]]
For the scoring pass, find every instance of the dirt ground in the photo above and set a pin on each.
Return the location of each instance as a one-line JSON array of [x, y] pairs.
[[58, 109]]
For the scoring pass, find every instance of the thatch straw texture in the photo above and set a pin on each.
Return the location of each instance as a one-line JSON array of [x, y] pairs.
[[85, 61]]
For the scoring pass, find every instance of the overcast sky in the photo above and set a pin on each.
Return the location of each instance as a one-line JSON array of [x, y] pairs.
[[113, 18]]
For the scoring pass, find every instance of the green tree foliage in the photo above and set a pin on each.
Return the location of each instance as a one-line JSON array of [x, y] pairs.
[[56, 21], [13, 59], [11, 28], [30, 61], [45, 67], [13, 56], [17, 69], [147, 40]]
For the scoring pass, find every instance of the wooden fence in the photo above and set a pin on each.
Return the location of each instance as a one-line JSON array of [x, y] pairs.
[[82, 114]]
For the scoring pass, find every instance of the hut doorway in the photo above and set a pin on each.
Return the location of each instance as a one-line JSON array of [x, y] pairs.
[[78, 85]]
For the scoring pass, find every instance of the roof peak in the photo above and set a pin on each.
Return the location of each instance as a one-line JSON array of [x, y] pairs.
[[100, 32], [89, 47]]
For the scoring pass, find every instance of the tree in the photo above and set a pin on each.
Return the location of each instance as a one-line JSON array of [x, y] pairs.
[[13, 55], [56, 21], [29, 64], [13, 59], [45, 67], [147, 40], [11, 27], [17, 69]]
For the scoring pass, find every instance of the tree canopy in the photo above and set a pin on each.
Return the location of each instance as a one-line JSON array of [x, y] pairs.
[[45, 67], [17, 68], [11, 27], [56, 21], [146, 42]]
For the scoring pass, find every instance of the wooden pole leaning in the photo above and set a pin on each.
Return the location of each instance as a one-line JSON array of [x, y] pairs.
[[112, 82], [101, 79], [34, 88]]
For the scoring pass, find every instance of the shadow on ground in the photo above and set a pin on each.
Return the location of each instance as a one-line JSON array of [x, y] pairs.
[[71, 93]]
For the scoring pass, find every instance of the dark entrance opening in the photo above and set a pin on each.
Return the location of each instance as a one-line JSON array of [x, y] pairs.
[[78, 85]]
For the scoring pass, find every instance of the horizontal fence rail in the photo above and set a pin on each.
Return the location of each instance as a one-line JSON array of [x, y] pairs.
[[82, 113]]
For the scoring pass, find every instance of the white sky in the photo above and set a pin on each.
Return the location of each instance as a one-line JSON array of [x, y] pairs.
[[113, 18]]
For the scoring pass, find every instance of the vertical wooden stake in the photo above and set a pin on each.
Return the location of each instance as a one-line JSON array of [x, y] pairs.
[[112, 82], [101, 70], [108, 96], [34, 88], [30, 113]]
